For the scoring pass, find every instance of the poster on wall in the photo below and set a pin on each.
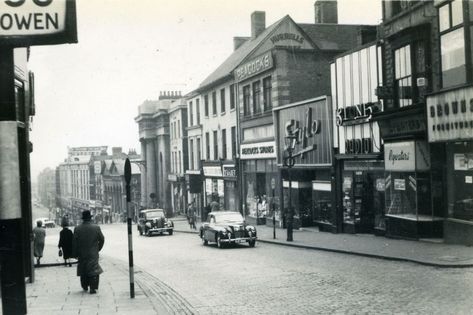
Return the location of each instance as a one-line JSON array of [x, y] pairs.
[[399, 184], [463, 162]]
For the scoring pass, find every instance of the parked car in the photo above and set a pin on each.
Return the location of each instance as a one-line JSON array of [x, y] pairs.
[[152, 221], [46, 223], [227, 227]]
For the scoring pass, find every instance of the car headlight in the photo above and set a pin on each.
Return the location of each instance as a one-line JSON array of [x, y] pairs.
[[148, 224]]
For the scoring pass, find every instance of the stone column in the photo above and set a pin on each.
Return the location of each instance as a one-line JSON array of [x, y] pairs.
[[143, 169], [150, 169]]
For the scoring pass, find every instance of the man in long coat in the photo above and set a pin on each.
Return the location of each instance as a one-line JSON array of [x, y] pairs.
[[88, 241]]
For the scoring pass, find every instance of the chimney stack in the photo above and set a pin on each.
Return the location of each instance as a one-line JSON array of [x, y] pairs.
[[326, 11], [258, 23], [238, 41]]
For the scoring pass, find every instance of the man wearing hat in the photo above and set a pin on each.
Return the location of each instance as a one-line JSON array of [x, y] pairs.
[[88, 241]]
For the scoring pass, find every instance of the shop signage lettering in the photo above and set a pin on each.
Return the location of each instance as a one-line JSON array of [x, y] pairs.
[[356, 114], [229, 171], [303, 133], [27, 22], [254, 67], [358, 146], [287, 36], [262, 150], [401, 156], [450, 115], [212, 171], [172, 177]]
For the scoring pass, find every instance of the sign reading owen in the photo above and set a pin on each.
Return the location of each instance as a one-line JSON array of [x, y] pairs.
[[37, 22]]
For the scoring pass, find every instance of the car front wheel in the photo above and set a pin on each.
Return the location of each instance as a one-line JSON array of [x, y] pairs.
[[141, 231], [252, 243], [170, 232]]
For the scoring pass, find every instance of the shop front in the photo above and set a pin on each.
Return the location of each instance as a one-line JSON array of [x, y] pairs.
[[410, 211], [178, 200], [450, 123], [306, 185], [259, 171], [214, 186], [359, 166], [194, 187]]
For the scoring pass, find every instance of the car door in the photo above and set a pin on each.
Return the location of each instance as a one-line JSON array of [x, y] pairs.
[[210, 229]]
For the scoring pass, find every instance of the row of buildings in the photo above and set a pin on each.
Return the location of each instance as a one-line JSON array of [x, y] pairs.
[[382, 116], [90, 179]]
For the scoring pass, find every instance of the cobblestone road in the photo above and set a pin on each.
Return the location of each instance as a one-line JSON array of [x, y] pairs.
[[273, 279]]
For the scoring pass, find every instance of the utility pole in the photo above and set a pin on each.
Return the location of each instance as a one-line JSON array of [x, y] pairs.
[[11, 228], [130, 239]]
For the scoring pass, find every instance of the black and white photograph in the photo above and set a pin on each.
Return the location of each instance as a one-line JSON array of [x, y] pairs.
[[236, 157]]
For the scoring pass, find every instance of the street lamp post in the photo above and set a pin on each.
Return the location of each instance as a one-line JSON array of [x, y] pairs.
[[289, 161]]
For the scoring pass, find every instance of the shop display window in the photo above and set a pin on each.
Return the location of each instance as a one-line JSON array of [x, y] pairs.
[[258, 199], [460, 180], [301, 201], [408, 195], [322, 209]]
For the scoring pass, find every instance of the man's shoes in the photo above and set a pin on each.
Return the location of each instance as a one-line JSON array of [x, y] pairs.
[[92, 291]]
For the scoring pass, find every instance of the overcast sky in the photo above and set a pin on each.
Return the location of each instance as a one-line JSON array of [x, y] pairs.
[[129, 50]]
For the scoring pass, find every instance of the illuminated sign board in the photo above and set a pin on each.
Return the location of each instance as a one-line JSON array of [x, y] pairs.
[[37, 22], [260, 150]]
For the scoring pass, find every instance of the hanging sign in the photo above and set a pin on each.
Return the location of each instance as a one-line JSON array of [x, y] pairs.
[[37, 22]]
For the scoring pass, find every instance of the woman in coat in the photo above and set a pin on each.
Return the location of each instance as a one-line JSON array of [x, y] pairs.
[[39, 234], [65, 242], [88, 241]]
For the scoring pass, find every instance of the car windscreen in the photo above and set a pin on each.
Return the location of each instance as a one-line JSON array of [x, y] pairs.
[[154, 214], [229, 218]]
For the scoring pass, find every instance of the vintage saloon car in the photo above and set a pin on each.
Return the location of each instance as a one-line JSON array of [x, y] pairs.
[[227, 227], [152, 221]]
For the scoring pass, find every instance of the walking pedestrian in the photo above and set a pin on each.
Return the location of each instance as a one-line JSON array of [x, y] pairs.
[[192, 216], [39, 234], [65, 242], [88, 241]]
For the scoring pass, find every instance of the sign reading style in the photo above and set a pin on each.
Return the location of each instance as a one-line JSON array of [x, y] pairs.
[[37, 22], [310, 121], [254, 67]]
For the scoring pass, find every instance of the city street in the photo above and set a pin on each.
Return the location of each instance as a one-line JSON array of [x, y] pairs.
[[277, 279]]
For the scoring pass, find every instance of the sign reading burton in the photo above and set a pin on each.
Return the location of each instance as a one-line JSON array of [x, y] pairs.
[[254, 67], [37, 22]]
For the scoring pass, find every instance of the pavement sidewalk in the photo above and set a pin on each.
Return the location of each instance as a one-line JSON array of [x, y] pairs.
[[435, 254], [56, 290]]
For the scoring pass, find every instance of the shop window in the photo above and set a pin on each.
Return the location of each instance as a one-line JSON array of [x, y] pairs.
[[460, 180], [408, 195], [452, 43], [322, 211]]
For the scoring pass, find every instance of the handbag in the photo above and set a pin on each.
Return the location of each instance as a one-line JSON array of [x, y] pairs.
[[60, 253]]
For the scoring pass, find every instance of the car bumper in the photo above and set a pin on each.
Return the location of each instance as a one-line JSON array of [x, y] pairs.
[[238, 240], [159, 230]]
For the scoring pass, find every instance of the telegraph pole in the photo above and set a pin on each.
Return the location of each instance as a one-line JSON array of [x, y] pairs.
[[11, 229]]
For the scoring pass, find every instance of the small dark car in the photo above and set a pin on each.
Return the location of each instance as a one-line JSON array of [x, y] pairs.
[[152, 221], [227, 227]]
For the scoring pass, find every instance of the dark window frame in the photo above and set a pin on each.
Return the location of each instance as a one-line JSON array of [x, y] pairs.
[[215, 138], [232, 96], [256, 89], [214, 103], [206, 105], [222, 101], [246, 100]]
